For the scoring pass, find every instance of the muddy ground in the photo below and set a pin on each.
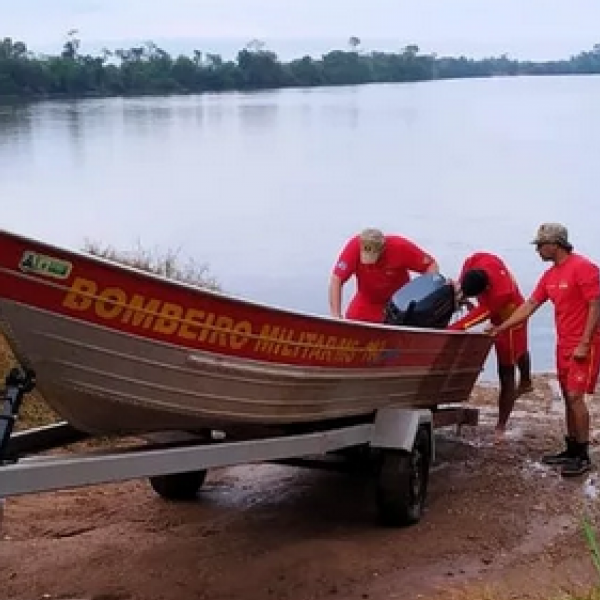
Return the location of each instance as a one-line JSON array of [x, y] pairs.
[[498, 524]]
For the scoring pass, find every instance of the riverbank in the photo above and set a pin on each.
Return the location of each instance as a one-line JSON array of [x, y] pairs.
[[498, 525], [149, 69]]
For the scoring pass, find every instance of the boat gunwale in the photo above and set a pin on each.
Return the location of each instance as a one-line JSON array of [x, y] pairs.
[[197, 290]]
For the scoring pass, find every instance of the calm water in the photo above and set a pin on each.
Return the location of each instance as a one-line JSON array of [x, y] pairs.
[[266, 187]]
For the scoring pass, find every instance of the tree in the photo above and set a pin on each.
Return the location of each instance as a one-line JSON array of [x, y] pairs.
[[71, 46], [150, 69], [354, 43], [255, 45], [10, 49]]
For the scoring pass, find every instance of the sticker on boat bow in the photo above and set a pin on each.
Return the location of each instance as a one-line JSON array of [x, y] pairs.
[[32, 262]]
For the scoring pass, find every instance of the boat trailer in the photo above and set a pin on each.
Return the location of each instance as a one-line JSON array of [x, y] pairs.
[[396, 446]]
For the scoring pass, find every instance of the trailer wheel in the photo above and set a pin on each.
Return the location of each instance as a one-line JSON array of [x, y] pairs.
[[402, 483], [178, 486]]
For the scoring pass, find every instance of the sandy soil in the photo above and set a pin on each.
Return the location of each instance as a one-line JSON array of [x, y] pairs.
[[498, 524]]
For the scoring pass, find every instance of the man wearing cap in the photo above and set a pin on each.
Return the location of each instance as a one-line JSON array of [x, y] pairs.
[[381, 264], [485, 276], [572, 284]]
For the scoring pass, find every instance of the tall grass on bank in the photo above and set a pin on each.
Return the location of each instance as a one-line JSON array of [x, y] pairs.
[[165, 263], [592, 542]]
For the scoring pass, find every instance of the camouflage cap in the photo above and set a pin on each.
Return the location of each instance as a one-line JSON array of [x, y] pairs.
[[372, 242], [553, 233]]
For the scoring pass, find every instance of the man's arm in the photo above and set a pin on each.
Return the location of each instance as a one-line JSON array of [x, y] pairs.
[[344, 268], [588, 279], [433, 267], [475, 316], [335, 297], [591, 324], [521, 314]]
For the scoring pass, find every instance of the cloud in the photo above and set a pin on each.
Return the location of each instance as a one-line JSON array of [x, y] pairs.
[[535, 28]]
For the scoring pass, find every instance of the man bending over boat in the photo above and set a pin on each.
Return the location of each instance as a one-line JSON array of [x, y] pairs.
[[382, 265], [485, 277]]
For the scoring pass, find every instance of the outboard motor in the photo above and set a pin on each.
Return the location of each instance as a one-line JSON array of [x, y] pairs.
[[427, 301]]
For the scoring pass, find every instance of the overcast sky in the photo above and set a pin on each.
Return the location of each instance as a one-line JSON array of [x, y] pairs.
[[536, 29]]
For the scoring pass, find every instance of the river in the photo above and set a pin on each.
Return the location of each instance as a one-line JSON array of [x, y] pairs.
[[266, 187]]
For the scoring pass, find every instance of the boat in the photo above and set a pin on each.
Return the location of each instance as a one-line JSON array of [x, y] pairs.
[[117, 350]]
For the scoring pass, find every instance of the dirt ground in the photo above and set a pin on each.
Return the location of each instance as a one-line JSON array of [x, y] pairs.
[[498, 525]]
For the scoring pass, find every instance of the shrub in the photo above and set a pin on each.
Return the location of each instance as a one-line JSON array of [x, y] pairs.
[[165, 263]]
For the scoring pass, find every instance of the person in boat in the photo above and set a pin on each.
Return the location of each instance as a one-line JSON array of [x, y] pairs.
[[572, 284], [486, 278], [381, 264]]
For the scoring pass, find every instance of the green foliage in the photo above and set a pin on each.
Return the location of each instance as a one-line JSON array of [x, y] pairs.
[[148, 69], [166, 264], [590, 538]]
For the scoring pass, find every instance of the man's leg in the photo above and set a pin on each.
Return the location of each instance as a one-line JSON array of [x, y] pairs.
[[578, 425], [508, 347], [576, 379], [524, 366], [506, 397], [520, 345], [570, 421], [582, 378], [564, 456]]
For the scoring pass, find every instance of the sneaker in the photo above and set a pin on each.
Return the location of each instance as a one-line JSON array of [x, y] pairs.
[[577, 465], [563, 457]]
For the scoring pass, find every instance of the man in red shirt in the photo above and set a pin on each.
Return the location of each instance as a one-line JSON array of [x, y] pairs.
[[485, 276], [572, 284], [381, 264]]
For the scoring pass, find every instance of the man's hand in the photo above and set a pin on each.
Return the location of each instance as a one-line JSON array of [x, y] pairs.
[[461, 300], [582, 351], [492, 330]]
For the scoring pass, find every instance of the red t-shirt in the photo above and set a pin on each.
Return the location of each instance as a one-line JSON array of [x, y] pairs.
[[570, 286], [500, 298], [376, 283]]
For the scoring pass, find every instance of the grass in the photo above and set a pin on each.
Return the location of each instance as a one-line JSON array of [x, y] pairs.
[[592, 595], [165, 263], [590, 538]]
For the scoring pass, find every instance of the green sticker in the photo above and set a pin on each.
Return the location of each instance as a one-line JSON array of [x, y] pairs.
[[32, 262]]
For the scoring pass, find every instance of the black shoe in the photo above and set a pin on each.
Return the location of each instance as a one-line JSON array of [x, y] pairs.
[[577, 465], [563, 457]]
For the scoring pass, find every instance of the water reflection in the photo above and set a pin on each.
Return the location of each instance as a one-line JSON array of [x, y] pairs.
[[258, 116], [147, 118], [15, 129]]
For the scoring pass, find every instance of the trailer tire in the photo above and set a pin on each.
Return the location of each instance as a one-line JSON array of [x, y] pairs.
[[178, 486], [402, 482]]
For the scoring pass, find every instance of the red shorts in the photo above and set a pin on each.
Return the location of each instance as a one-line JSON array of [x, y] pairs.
[[578, 376], [360, 310], [511, 345]]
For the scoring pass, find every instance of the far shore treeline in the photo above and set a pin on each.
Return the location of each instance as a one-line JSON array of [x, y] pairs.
[[148, 69]]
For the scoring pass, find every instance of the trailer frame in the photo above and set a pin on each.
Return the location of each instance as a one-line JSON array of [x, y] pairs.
[[396, 445]]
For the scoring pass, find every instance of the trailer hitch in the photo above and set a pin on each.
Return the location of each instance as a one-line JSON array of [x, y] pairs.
[[17, 383]]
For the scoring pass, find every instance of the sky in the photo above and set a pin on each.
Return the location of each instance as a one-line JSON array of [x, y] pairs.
[[535, 29]]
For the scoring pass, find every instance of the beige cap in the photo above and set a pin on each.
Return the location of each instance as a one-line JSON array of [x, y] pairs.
[[553, 233], [372, 242]]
